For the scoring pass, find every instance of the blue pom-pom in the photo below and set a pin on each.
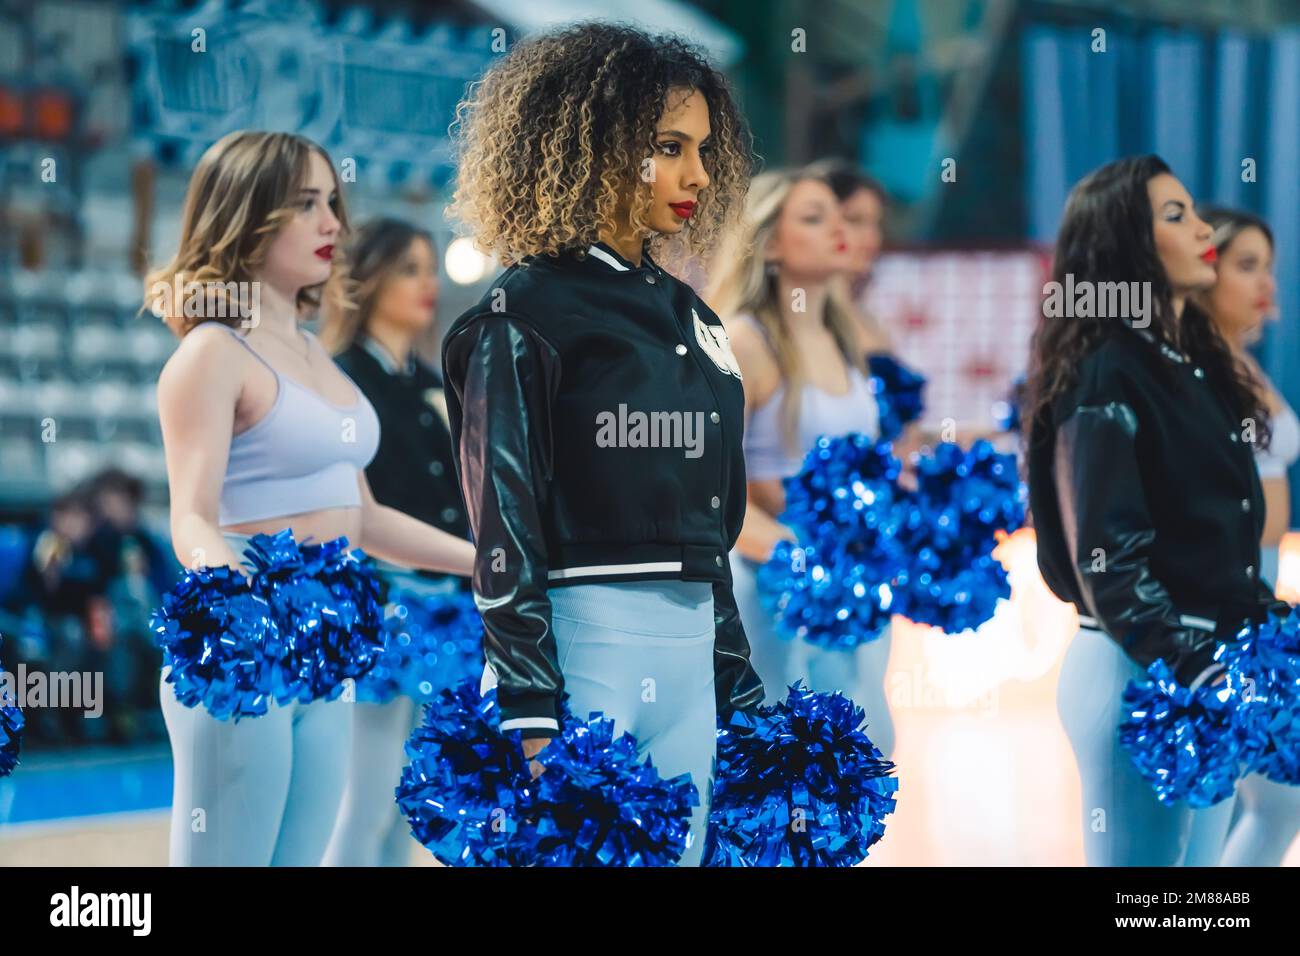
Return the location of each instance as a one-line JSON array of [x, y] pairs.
[[11, 732], [899, 392], [1184, 744], [846, 484], [833, 588], [434, 641], [470, 798], [963, 499], [598, 805], [798, 784], [1264, 668], [222, 643], [466, 788], [327, 604], [11, 737], [309, 618], [836, 601]]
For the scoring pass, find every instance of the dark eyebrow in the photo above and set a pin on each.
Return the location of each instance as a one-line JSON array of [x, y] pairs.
[[678, 133]]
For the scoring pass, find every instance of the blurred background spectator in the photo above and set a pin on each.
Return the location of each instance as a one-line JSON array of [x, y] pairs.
[[77, 593]]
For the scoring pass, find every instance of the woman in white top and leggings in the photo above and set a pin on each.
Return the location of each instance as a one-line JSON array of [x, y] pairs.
[[1255, 827], [263, 432], [802, 353]]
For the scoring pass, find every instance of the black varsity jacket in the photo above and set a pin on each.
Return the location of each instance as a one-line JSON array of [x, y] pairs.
[[596, 414], [413, 470], [1147, 505]]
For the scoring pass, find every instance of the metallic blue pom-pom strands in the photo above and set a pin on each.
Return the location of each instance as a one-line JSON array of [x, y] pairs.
[[1264, 670], [470, 797], [799, 784], [963, 498], [11, 737], [1181, 742], [466, 782], [432, 642], [11, 733], [899, 393], [869, 548], [833, 588], [308, 619], [222, 644], [1196, 745], [324, 594], [608, 808]]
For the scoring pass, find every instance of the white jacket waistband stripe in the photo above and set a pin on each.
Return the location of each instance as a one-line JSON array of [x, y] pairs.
[[1187, 620], [522, 723], [594, 569]]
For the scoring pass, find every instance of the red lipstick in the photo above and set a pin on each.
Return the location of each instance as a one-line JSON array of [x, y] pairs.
[[326, 253], [1210, 255], [683, 209]]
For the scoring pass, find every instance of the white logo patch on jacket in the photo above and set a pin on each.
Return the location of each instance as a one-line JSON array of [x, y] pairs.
[[716, 344]]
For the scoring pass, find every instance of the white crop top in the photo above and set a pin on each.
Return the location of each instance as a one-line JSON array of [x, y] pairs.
[[1284, 444], [820, 413]]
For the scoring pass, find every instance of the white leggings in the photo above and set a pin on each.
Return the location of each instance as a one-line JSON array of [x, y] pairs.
[[1123, 822], [641, 652], [260, 792], [371, 830], [1256, 825], [859, 672]]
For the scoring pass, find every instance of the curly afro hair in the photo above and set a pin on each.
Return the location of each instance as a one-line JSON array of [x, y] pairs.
[[552, 139]]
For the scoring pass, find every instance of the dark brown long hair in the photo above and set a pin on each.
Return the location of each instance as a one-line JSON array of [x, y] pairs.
[[1108, 235], [374, 254]]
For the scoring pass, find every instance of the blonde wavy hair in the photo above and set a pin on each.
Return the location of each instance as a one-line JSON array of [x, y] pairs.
[[245, 185], [552, 140], [741, 282]]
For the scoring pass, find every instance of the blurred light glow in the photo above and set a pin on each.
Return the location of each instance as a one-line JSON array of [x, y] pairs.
[[1287, 587], [465, 265], [1023, 641]]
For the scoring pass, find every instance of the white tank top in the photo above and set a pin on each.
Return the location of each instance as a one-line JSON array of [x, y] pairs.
[[820, 413], [1284, 444]]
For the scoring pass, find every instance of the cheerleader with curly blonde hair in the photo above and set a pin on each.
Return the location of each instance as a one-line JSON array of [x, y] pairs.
[[596, 408]]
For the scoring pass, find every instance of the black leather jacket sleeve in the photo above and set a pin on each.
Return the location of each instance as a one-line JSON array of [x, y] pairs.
[[736, 684], [1109, 532], [509, 377]]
